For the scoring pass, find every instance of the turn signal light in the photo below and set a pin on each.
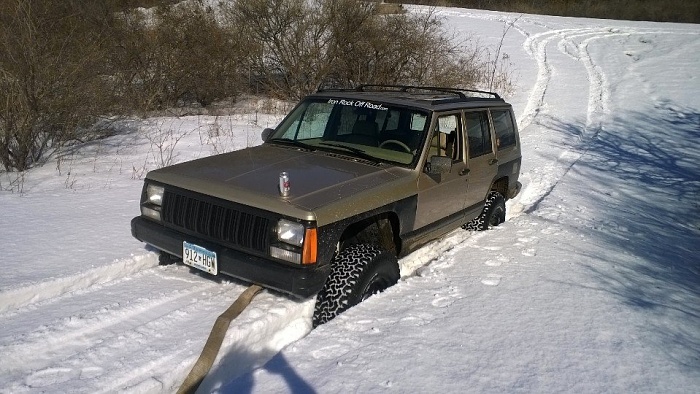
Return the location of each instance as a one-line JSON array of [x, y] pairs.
[[310, 250]]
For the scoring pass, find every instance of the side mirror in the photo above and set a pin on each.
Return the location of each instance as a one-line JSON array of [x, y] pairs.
[[266, 134], [439, 165]]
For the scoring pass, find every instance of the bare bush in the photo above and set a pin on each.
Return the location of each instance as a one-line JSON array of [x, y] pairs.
[[287, 44], [63, 64], [299, 45], [392, 49], [51, 79], [12, 182], [163, 143], [180, 56]]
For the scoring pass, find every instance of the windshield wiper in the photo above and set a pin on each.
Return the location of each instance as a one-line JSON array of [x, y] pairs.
[[296, 143], [357, 151]]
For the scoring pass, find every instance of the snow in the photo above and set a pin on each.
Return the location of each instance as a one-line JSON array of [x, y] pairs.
[[591, 285]]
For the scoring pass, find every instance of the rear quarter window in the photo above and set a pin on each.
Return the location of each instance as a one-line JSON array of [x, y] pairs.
[[503, 125]]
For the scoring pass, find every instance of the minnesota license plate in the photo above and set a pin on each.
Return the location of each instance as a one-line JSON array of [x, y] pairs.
[[200, 258]]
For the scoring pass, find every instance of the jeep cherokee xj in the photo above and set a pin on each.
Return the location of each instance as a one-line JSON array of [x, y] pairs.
[[350, 181]]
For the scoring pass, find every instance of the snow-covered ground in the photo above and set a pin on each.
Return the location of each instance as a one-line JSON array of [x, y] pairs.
[[592, 284]]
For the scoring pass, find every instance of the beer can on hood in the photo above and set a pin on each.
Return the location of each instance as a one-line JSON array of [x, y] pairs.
[[284, 184]]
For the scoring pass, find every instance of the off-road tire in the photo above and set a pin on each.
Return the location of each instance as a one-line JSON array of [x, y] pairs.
[[493, 214], [357, 272]]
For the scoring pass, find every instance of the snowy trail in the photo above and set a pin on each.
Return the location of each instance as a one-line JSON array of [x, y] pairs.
[[152, 318], [75, 337], [539, 112], [115, 318], [52, 289]]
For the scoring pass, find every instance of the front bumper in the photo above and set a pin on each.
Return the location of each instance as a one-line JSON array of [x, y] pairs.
[[300, 281]]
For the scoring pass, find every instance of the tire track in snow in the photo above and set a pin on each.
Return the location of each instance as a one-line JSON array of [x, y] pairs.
[[574, 43], [270, 323], [536, 47], [72, 335], [113, 338], [55, 287], [598, 106]]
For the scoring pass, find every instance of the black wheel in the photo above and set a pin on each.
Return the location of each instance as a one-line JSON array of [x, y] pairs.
[[493, 214], [358, 272]]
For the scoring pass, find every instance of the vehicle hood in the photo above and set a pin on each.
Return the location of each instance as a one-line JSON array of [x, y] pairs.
[[251, 177]]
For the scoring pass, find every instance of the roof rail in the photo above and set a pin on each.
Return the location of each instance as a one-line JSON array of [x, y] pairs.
[[404, 88]]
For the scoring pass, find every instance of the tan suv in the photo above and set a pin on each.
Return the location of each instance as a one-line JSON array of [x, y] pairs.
[[351, 180]]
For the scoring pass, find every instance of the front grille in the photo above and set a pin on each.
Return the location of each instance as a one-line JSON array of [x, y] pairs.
[[214, 219]]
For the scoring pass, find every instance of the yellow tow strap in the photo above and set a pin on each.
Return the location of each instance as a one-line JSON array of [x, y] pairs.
[[206, 359]]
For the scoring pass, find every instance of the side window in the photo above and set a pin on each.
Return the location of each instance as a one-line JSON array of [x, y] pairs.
[[478, 133], [503, 125], [446, 137]]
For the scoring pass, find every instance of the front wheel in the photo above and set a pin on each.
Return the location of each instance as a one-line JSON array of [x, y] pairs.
[[357, 272], [493, 214]]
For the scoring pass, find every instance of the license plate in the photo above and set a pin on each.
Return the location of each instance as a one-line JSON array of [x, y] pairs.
[[200, 258]]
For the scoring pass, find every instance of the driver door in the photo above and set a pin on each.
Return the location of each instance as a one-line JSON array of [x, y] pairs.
[[441, 196]]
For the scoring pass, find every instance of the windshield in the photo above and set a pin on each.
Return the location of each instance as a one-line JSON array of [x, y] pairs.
[[369, 130]]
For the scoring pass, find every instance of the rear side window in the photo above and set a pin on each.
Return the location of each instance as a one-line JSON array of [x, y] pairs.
[[478, 133], [503, 125]]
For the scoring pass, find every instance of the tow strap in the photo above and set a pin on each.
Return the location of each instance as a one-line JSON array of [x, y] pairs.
[[206, 359]]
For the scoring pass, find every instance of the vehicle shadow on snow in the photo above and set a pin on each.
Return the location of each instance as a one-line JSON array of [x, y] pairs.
[[646, 166], [245, 383]]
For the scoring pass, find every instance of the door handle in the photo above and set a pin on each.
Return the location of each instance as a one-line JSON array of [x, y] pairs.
[[493, 161], [464, 172]]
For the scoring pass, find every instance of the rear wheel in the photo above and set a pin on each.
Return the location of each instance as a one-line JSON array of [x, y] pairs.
[[493, 214], [358, 272]]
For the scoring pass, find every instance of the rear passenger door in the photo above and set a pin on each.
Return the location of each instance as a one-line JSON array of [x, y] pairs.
[[481, 157]]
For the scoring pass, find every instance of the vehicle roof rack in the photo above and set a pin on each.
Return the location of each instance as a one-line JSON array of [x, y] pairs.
[[405, 88]]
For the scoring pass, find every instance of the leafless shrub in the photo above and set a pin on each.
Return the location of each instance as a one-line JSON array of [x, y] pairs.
[[298, 45], [140, 172], [64, 64], [394, 49], [163, 141], [500, 78], [51, 76], [220, 137], [286, 47], [180, 56], [12, 182]]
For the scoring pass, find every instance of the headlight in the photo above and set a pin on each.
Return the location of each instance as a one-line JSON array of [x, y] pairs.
[[290, 232], [302, 242], [153, 202], [154, 194]]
